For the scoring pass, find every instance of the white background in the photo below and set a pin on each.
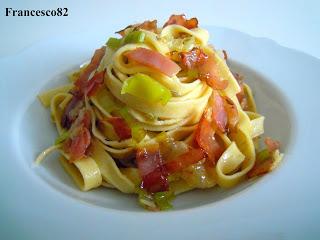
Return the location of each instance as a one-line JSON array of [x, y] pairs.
[[294, 24]]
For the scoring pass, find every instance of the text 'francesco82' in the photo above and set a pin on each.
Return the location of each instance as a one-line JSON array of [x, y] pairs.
[[59, 12]]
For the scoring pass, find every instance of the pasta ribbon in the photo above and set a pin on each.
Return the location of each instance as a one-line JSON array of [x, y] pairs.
[[201, 136], [85, 172], [109, 170], [46, 97]]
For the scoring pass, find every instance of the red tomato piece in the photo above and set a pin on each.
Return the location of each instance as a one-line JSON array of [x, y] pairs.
[[121, 127], [80, 139], [155, 181], [82, 82], [152, 172], [242, 98], [210, 73], [184, 160], [67, 118], [205, 138], [260, 168], [148, 159], [95, 83], [79, 144], [154, 60], [219, 114], [241, 95], [193, 58], [181, 20], [232, 112], [146, 25], [272, 145], [86, 119]]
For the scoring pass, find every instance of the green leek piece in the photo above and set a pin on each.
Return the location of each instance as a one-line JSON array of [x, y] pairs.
[[193, 73], [146, 200], [62, 137], [114, 43], [162, 137], [137, 131], [133, 37], [163, 199], [263, 155], [174, 177], [157, 201], [124, 113], [146, 88]]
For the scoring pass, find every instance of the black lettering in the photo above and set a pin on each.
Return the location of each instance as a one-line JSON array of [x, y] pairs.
[[66, 12], [59, 12], [8, 11], [25, 13], [29, 12]]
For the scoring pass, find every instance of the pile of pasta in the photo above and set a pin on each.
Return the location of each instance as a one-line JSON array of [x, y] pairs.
[[158, 112]]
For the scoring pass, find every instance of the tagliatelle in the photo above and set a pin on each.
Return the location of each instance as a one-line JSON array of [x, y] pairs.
[[46, 97], [113, 134], [85, 173]]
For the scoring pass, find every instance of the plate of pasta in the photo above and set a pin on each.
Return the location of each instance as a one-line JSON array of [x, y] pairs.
[[157, 112], [172, 118]]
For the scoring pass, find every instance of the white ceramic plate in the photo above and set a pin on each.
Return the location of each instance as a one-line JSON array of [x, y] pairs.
[[43, 203]]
